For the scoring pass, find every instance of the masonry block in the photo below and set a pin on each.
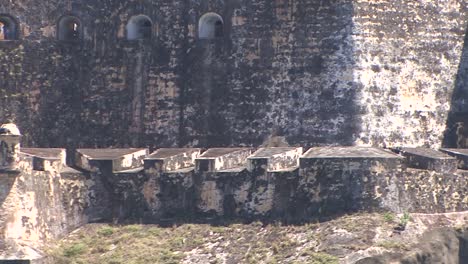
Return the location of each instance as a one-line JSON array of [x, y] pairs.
[[172, 159], [118, 159], [275, 159], [219, 159], [222, 182], [46, 159], [272, 173], [428, 159], [343, 179], [158, 192], [460, 154]]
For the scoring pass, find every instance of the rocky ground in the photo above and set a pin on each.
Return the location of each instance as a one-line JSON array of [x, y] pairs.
[[347, 239]]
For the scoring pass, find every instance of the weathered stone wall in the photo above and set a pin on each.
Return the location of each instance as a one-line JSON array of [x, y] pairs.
[[275, 58], [433, 192], [407, 56], [288, 196], [45, 199], [37, 206], [334, 186], [100, 91], [284, 68], [320, 186], [316, 72]]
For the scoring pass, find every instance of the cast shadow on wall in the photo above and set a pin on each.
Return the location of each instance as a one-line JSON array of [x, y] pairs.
[[269, 79], [456, 133], [258, 70]]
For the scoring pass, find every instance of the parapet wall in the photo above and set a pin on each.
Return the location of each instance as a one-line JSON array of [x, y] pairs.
[[44, 198], [276, 183], [40, 201]]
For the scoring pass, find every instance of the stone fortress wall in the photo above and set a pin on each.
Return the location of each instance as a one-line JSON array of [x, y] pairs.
[[340, 72], [162, 106], [42, 198]]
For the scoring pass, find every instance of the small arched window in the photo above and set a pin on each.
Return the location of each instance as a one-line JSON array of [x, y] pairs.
[[69, 29], [210, 26], [139, 27], [8, 28]]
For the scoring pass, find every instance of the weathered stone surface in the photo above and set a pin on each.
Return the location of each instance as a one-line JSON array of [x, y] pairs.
[[172, 159], [433, 192], [339, 179], [120, 159], [407, 54], [275, 159], [329, 180], [41, 204], [157, 196], [38, 206], [428, 159], [460, 154], [219, 159], [438, 246], [342, 72], [46, 159], [314, 73]]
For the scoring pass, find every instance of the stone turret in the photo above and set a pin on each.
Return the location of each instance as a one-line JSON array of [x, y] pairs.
[[9, 146]]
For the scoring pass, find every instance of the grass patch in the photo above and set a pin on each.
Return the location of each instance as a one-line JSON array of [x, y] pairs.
[[132, 244], [106, 231], [132, 228], [74, 250], [323, 258], [405, 219], [318, 257], [389, 217], [202, 243], [391, 245]]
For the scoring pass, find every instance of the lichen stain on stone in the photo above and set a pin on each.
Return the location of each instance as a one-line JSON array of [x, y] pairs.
[[150, 192], [211, 198], [241, 194]]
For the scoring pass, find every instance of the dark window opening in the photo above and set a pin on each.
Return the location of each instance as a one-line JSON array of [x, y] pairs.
[[3, 153], [210, 26], [218, 29], [139, 27], [69, 29], [8, 28]]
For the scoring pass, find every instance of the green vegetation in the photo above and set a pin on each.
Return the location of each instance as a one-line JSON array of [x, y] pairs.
[[254, 243], [106, 231], [405, 219], [127, 244], [391, 245], [74, 250], [389, 217], [235, 243], [323, 258]]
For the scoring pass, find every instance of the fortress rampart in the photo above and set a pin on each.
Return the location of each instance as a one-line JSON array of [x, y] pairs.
[[162, 105], [43, 198]]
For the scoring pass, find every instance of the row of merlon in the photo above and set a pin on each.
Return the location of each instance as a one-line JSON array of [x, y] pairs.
[[280, 159], [139, 27]]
